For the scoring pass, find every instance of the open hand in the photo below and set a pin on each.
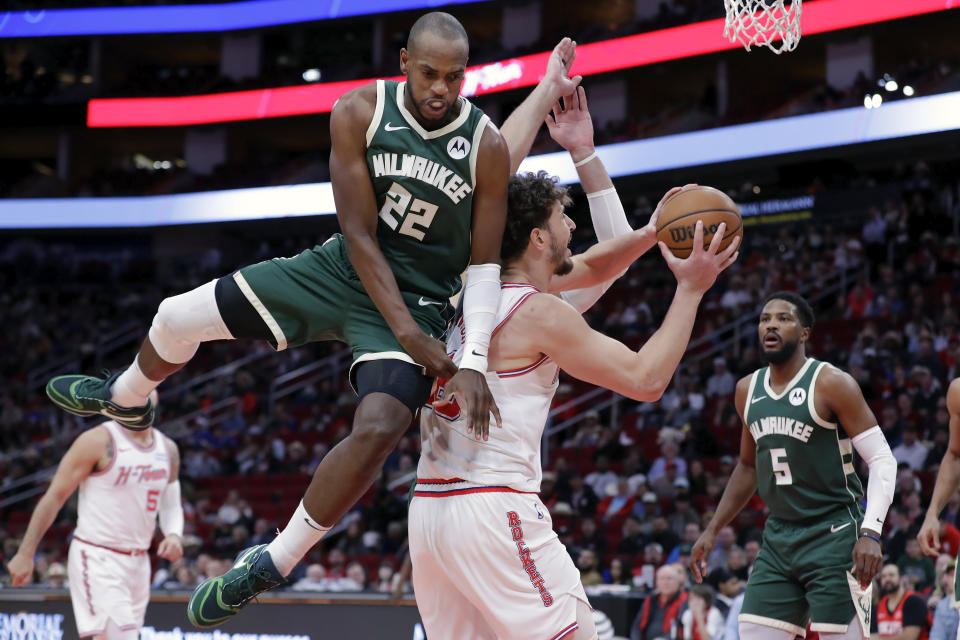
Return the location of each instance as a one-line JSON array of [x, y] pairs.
[[651, 226], [571, 126], [470, 389], [700, 269], [557, 74]]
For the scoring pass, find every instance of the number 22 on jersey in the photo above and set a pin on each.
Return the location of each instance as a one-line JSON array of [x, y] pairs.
[[416, 215]]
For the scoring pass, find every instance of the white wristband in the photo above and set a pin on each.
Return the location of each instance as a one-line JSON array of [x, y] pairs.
[[585, 160], [481, 297]]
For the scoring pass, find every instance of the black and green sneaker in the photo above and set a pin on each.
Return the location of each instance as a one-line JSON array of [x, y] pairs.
[[90, 395], [218, 599]]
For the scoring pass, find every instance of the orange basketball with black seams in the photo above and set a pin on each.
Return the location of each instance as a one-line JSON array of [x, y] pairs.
[[679, 215]]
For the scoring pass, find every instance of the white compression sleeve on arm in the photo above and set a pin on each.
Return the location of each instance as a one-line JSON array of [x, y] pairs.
[[609, 221], [171, 510], [481, 297], [881, 483]]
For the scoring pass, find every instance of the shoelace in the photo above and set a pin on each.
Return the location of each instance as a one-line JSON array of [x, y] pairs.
[[84, 385]]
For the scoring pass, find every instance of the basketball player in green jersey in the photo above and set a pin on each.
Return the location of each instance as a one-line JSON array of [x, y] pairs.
[[948, 479], [419, 177], [802, 420]]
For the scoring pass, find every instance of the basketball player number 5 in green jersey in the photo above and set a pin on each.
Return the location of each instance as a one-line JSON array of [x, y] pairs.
[[802, 420]]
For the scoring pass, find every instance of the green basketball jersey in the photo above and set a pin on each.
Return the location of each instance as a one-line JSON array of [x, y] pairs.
[[424, 182], [804, 463]]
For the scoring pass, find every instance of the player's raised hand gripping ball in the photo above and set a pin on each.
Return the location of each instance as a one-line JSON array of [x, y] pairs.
[[679, 214]]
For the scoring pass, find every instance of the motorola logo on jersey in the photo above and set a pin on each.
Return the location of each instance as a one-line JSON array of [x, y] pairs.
[[797, 397], [458, 148]]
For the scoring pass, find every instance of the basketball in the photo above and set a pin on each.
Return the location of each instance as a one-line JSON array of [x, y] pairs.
[[680, 213]]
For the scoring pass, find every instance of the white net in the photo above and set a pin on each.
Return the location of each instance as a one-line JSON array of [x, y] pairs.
[[771, 23]]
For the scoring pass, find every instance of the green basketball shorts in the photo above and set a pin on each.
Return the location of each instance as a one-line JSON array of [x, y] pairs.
[[802, 574], [317, 295]]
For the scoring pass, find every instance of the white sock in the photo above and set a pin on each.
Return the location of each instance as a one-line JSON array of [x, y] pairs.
[[296, 539], [132, 387]]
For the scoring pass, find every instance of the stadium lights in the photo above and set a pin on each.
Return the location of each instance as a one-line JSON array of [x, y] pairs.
[[898, 119], [908, 90], [193, 18], [642, 49], [876, 100], [891, 85], [311, 75], [867, 102]]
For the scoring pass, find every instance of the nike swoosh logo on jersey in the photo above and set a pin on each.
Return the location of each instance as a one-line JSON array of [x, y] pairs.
[[387, 127], [757, 399], [424, 303], [834, 528]]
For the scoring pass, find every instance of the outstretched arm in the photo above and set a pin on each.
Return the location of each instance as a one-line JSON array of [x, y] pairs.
[[357, 213], [947, 477], [596, 269], [521, 127], [76, 465], [740, 488], [559, 331]]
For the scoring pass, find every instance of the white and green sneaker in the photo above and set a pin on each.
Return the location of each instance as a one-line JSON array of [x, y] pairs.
[[218, 599], [90, 396]]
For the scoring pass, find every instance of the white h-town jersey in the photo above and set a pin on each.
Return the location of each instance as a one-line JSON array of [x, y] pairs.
[[511, 457], [118, 505]]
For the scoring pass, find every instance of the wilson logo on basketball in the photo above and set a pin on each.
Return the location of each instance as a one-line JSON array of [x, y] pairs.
[[684, 233]]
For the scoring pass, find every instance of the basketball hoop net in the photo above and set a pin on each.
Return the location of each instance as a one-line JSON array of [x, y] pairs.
[[772, 23]]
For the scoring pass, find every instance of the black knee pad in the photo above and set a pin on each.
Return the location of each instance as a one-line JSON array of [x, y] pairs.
[[238, 314], [402, 380]]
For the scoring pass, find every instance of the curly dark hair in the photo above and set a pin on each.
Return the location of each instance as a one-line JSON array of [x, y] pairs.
[[530, 200], [804, 310]]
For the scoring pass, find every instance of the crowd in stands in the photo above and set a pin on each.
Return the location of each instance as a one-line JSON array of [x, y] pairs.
[[629, 492]]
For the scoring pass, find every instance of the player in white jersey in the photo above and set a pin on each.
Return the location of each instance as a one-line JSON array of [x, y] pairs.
[[486, 562], [126, 480]]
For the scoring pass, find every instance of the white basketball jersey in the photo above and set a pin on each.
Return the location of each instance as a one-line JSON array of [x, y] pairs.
[[511, 457], [118, 505]]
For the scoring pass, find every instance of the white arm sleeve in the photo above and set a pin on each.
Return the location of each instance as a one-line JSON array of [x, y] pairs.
[[481, 297], [609, 221], [171, 510], [881, 483]]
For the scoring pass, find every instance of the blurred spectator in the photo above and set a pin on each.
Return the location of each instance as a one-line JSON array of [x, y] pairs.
[[602, 476], [619, 501], [592, 538], [886, 617], [355, 580], [385, 577], [916, 568], [726, 540], [589, 565], [55, 577], [683, 515], [911, 451], [668, 453], [727, 586], [315, 579], [946, 619], [581, 496], [721, 382], [701, 620], [617, 573], [661, 611]]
